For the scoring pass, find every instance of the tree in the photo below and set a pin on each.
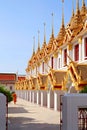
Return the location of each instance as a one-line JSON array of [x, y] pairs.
[[6, 92]]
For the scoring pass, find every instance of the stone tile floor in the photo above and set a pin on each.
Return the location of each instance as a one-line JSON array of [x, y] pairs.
[[28, 116]]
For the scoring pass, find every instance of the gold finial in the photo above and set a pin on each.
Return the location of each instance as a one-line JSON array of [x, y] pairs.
[[44, 34], [38, 40], [83, 3], [52, 26], [72, 8], [62, 13], [77, 6], [34, 45]]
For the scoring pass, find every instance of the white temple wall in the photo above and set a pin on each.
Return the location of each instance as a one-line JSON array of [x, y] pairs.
[[57, 94], [2, 112], [71, 104]]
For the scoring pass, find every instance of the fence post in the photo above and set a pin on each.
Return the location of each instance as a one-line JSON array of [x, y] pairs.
[[6, 113]]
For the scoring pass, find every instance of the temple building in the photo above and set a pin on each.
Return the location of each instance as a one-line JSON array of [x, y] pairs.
[[8, 80], [59, 66]]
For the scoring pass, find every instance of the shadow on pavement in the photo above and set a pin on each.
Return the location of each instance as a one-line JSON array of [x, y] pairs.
[[20, 123], [16, 110]]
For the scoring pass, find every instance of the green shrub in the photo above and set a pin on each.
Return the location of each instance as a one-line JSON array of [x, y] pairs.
[[84, 90], [6, 92]]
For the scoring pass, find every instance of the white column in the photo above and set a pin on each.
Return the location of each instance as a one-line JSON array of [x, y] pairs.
[[37, 97], [55, 63], [41, 98], [21, 95], [30, 95], [33, 96], [55, 101], [48, 99], [68, 53], [80, 52], [83, 46], [25, 94]]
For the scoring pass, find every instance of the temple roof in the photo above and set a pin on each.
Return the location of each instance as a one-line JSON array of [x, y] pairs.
[[82, 71]]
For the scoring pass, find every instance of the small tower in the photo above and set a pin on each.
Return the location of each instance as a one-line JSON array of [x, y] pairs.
[[52, 27], [73, 8], [77, 7], [83, 9], [38, 41], [44, 33], [34, 46], [61, 33]]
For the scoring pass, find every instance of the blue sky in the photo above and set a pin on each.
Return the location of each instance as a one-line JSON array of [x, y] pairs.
[[20, 21]]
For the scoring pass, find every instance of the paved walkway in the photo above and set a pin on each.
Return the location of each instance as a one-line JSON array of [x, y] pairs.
[[28, 116]]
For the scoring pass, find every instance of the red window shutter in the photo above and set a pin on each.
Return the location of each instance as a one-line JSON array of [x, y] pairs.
[[85, 47], [43, 67], [77, 52], [65, 56], [52, 61]]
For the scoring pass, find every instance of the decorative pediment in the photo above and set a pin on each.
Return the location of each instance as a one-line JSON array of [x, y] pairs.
[[78, 74], [56, 78], [43, 81], [34, 82]]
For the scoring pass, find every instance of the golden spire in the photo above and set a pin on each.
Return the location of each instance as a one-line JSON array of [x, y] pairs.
[[38, 40], [77, 7], [83, 3], [52, 26], [72, 8], [34, 46], [61, 33], [83, 9], [62, 13], [44, 33]]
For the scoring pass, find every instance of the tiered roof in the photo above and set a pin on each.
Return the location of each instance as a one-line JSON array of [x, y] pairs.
[[65, 35]]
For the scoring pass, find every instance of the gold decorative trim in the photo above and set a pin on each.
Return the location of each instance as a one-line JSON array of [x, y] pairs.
[[80, 40], [69, 47], [55, 55], [60, 50]]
